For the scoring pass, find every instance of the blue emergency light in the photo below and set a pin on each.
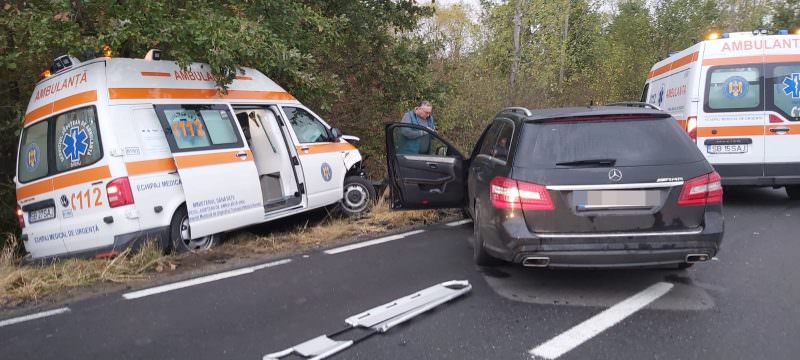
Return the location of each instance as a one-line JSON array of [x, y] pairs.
[[783, 32]]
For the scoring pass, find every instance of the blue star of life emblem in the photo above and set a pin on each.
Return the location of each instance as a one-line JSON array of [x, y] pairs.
[[792, 83], [76, 142]]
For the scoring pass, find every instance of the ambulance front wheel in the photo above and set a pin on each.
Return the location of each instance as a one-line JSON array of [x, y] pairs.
[[180, 235], [793, 191], [359, 195]]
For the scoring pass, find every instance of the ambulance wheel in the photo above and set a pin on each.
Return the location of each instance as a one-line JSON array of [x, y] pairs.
[[359, 195], [793, 191], [179, 233]]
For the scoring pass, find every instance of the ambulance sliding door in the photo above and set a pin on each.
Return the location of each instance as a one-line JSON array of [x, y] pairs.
[[216, 167]]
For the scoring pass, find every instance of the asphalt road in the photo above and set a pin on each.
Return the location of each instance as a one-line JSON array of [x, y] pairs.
[[746, 305]]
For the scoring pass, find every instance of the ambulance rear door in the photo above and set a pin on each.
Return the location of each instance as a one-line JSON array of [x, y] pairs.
[[216, 167], [731, 128], [783, 105]]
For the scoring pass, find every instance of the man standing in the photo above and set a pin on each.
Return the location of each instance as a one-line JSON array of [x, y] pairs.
[[417, 141]]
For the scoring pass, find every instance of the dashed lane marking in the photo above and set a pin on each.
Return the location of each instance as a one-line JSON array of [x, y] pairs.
[[588, 329], [371, 242], [460, 222], [201, 280], [30, 317]]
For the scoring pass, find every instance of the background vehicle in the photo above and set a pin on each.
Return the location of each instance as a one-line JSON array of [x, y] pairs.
[[116, 150], [739, 99], [580, 187]]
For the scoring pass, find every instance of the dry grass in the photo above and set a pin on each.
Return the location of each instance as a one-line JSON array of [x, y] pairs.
[[24, 283], [380, 220], [19, 284]]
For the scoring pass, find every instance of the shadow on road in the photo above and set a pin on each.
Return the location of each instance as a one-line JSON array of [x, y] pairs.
[[757, 197], [596, 288]]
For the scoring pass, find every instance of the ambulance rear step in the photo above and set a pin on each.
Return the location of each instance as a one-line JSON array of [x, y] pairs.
[[377, 320]]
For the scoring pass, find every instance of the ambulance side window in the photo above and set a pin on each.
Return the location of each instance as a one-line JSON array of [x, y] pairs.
[[198, 126], [305, 126], [77, 141], [644, 93], [733, 88], [784, 97], [32, 163]]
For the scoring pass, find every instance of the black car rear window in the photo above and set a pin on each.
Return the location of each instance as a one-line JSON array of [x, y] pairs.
[[627, 142]]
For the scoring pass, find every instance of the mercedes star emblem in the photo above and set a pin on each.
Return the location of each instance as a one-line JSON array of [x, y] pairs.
[[615, 175]]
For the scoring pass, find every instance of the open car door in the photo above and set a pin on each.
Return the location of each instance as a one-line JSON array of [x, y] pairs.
[[216, 167], [425, 171]]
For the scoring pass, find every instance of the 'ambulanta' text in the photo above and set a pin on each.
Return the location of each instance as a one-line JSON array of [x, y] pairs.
[[765, 44], [69, 82]]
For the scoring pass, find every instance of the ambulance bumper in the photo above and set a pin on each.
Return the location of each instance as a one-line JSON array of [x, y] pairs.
[[777, 174], [121, 243]]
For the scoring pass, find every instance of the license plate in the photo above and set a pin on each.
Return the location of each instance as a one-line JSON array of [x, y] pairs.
[[600, 199], [728, 149], [41, 214]]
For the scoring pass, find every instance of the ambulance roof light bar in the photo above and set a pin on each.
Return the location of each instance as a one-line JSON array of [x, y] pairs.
[[153, 54], [62, 63]]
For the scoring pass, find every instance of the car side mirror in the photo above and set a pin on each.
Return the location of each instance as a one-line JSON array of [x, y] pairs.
[[336, 133]]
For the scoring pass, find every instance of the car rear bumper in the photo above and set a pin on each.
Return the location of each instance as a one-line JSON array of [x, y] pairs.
[[511, 240], [620, 252]]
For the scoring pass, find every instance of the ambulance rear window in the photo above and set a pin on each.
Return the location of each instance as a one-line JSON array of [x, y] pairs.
[[733, 88], [32, 163]]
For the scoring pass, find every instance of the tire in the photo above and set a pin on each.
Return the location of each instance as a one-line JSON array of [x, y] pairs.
[[358, 198], [179, 232], [793, 191], [479, 254]]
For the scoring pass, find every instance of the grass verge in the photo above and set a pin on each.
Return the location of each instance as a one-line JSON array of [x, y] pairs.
[[21, 284]]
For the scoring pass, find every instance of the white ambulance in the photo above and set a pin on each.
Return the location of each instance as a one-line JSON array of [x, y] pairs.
[[114, 151], [738, 96]]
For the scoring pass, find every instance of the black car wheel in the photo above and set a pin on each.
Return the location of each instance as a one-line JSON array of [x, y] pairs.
[[793, 191], [481, 257]]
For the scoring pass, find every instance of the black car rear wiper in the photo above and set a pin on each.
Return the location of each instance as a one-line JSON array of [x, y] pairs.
[[587, 162]]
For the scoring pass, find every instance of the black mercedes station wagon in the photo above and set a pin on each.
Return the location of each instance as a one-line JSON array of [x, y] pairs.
[[589, 187]]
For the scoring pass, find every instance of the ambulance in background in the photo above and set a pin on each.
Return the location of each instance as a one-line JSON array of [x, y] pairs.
[[738, 96], [114, 151]]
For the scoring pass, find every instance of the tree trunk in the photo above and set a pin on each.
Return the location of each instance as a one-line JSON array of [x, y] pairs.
[[564, 40], [512, 81]]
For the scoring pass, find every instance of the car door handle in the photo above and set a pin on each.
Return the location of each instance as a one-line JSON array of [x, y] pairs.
[[304, 148], [241, 155], [779, 130], [432, 165]]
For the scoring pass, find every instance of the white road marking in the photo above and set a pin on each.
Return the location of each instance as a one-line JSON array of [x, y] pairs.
[[460, 222], [201, 280], [30, 317], [371, 242], [588, 329]]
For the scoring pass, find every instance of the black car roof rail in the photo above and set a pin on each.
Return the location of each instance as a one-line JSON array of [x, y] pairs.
[[517, 109], [636, 104]]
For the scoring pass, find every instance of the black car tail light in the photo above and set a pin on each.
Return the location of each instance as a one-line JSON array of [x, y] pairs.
[[514, 194], [705, 189]]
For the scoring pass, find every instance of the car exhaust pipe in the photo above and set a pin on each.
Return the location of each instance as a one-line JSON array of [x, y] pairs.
[[536, 261], [694, 258]]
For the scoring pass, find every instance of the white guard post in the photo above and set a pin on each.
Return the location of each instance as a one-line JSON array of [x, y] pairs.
[[378, 320]]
